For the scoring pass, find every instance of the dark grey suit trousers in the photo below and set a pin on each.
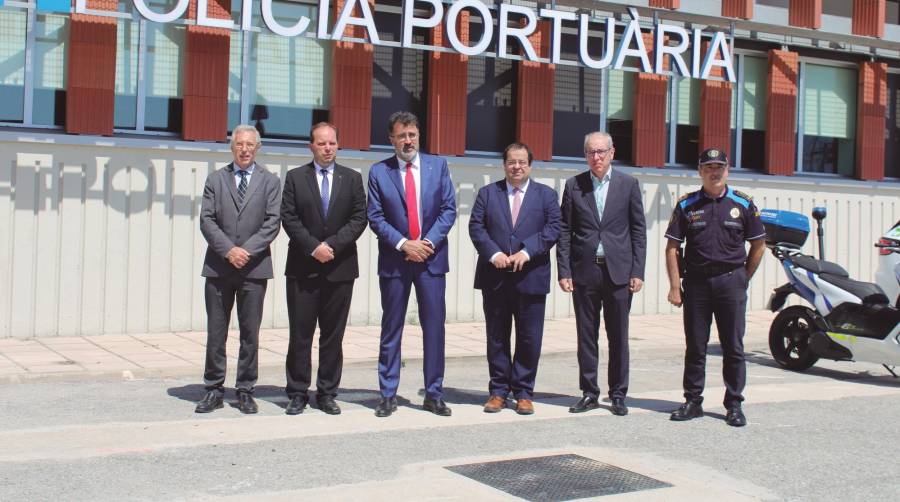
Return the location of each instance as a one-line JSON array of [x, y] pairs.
[[221, 293]]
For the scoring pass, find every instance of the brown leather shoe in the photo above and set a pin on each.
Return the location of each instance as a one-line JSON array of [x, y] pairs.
[[495, 404], [524, 407]]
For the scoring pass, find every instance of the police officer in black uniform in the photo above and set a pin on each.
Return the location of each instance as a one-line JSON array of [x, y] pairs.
[[714, 221]]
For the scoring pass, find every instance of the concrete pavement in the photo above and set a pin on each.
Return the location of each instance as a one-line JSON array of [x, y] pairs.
[[166, 354]]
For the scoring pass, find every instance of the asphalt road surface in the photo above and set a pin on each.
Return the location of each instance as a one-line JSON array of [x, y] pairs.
[[831, 433]]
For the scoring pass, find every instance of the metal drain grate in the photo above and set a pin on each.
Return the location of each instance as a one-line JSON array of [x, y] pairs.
[[557, 477]]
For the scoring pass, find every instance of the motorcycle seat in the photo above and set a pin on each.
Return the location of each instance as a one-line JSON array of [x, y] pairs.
[[819, 266], [871, 294]]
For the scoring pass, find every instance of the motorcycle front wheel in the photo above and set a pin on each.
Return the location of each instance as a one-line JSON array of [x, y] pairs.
[[789, 338]]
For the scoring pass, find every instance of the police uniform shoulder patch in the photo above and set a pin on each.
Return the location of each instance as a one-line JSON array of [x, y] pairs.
[[743, 195], [685, 196]]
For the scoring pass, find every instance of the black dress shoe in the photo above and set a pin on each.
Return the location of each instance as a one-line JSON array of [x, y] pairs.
[[298, 402], [618, 407], [246, 403], [687, 411], [436, 406], [211, 401], [387, 406], [584, 404], [735, 417], [327, 404]]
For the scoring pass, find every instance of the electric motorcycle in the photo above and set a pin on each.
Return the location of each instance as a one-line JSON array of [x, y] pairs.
[[846, 320], [887, 275]]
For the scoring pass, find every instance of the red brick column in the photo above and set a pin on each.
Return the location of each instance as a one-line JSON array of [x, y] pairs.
[[351, 86], [648, 126], [805, 13], [742, 9], [447, 88], [868, 18], [205, 95], [781, 112], [715, 111], [534, 103], [91, 77], [665, 4], [870, 111]]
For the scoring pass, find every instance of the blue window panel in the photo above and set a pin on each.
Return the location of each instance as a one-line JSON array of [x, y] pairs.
[[52, 5]]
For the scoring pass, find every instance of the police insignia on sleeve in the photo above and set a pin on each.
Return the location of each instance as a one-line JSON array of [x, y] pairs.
[[735, 212]]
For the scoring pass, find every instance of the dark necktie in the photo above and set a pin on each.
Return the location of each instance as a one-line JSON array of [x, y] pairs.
[[325, 188], [412, 208], [242, 186]]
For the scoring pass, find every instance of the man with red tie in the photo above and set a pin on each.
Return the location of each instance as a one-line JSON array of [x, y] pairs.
[[412, 206]]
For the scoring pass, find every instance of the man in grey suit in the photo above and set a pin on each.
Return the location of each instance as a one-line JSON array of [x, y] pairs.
[[239, 217], [600, 258]]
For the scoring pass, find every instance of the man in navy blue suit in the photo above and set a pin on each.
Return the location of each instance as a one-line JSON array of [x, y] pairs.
[[412, 206], [600, 259], [514, 224]]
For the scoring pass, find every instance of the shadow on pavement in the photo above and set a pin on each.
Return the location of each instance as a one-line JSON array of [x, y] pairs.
[[866, 377], [657, 405]]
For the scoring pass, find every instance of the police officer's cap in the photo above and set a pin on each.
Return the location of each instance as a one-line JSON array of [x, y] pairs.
[[713, 156]]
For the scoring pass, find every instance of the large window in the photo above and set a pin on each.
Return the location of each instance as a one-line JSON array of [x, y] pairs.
[[576, 100], [51, 38], [892, 136], [287, 76], [619, 109], [491, 98], [12, 64], [398, 77], [127, 41], [165, 64], [687, 132], [829, 119], [753, 112]]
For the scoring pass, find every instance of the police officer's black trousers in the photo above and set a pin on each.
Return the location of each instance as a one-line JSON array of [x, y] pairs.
[[724, 296]]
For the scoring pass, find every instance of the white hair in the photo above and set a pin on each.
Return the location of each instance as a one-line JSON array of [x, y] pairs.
[[588, 136], [245, 128]]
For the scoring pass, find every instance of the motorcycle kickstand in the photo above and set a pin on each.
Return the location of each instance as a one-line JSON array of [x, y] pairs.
[[890, 370]]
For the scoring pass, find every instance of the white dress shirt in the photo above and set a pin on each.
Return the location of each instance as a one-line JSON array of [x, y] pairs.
[[330, 170], [511, 196], [237, 177], [417, 179]]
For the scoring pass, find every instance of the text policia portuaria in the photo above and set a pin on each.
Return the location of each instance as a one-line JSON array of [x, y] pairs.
[[631, 43]]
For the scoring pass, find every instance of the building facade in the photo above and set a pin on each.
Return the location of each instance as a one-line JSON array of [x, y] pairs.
[[110, 122]]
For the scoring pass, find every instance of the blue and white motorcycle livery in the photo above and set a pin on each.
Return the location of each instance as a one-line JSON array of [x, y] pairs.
[[850, 320]]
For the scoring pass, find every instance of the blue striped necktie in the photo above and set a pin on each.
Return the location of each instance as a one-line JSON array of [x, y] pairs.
[[242, 186]]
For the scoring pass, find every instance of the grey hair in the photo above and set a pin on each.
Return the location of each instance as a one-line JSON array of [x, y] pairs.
[[587, 138], [245, 128]]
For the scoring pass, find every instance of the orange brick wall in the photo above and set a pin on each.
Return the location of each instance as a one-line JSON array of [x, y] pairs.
[[781, 112]]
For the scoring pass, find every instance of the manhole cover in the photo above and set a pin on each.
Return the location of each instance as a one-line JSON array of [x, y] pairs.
[[557, 477]]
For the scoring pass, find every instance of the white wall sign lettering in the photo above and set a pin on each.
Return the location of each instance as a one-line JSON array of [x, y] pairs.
[[613, 53]]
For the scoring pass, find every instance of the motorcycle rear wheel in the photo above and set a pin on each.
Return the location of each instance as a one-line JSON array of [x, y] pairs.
[[789, 338]]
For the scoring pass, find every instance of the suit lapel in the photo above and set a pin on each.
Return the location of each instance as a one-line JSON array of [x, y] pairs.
[[587, 189], [503, 199], [335, 189], [228, 173], [611, 195], [394, 175], [425, 177], [526, 204], [313, 183], [256, 179]]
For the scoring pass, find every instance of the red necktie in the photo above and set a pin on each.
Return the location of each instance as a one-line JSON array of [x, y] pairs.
[[412, 208]]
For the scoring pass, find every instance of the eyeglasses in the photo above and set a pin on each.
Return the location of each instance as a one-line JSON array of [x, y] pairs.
[[516, 163], [406, 135], [245, 146], [598, 153]]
